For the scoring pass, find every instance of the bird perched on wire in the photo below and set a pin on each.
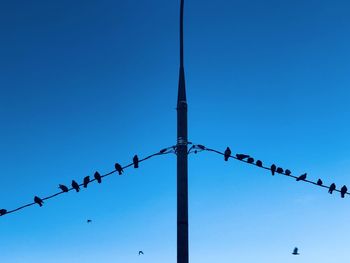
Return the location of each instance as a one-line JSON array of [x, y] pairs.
[[343, 191], [331, 188], [63, 188], [302, 177], [279, 170], [241, 156], [140, 252], [38, 200], [3, 212], [259, 163], [227, 153], [86, 181], [287, 172], [295, 251], [135, 161], [202, 147], [319, 182], [250, 160], [75, 185], [98, 178], [273, 169], [118, 168], [163, 150]]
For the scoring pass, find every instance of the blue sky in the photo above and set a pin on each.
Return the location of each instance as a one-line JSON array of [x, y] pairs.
[[85, 84]]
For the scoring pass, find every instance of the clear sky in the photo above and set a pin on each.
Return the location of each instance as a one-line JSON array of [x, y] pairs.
[[85, 84]]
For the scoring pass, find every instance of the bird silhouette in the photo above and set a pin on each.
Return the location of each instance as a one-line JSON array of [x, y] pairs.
[[241, 156], [227, 153], [119, 168], [343, 191], [135, 160], [287, 172], [302, 177], [295, 251], [279, 170], [75, 185], [63, 188], [202, 147], [331, 188], [259, 163], [140, 252], [273, 169], [163, 150], [98, 177], [38, 200], [88, 221], [319, 182], [3, 212], [250, 160], [86, 181]]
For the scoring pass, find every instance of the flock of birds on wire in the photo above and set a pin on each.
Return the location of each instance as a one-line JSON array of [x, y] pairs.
[[194, 148], [76, 186], [274, 169]]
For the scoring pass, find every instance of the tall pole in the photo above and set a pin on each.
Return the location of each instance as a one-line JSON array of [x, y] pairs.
[[182, 185]]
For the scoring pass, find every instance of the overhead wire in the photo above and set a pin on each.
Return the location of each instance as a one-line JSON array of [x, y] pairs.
[[195, 148], [163, 151], [199, 147]]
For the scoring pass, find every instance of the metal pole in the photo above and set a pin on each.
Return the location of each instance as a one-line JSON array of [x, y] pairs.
[[182, 185]]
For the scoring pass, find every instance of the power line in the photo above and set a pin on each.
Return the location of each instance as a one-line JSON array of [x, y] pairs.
[[195, 148], [171, 149]]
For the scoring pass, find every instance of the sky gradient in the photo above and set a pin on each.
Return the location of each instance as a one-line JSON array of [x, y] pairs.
[[85, 84]]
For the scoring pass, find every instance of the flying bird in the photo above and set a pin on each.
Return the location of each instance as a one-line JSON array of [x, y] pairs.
[[88, 221], [319, 182], [75, 185], [227, 153], [302, 177], [3, 212], [273, 169], [140, 252], [241, 156], [119, 168], [331, 188], [63, 188], [98, 177], [250, 160], [279, 170], [295, 251], [38, 200], [86, 181], [287, 172], [135, 160], [259, 163], [343, 191]]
